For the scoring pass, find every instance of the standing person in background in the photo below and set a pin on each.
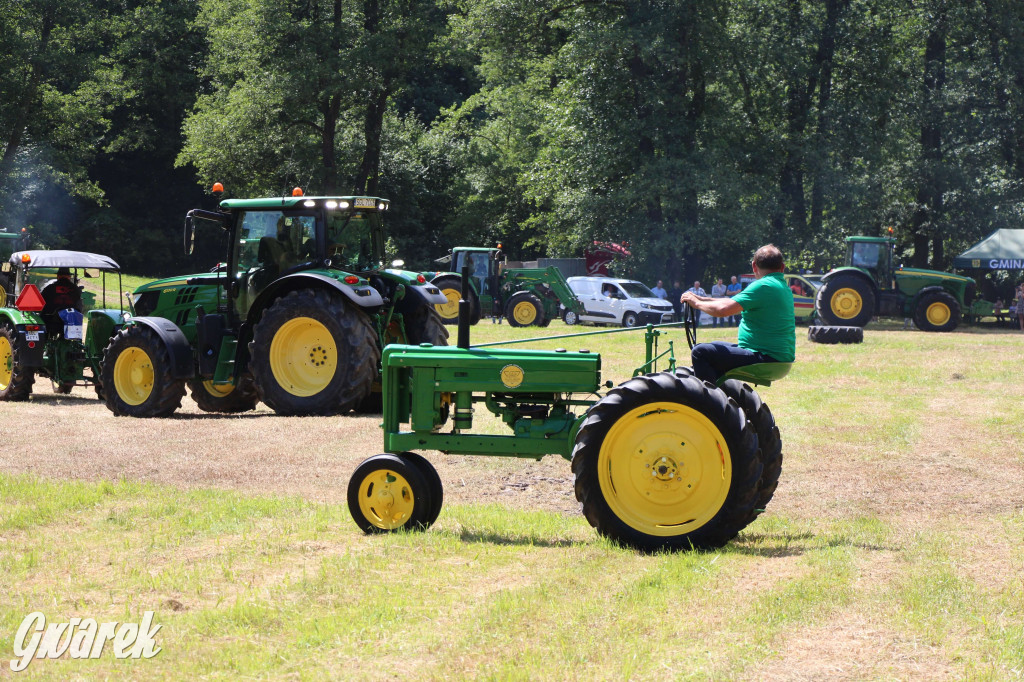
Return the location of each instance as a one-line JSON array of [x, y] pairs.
[[1020, 305], [730, 291], [718, 291], [673, 297], [659, 291]]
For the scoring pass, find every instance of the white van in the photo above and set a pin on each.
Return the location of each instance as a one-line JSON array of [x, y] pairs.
[[617, 301]]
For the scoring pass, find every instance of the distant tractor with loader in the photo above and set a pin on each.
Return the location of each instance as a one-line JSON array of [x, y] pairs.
[[663, 461], [42, 337], [870, 284], [524, 296], [297, 316]]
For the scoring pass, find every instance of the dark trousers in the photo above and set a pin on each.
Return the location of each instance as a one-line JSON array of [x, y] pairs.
[[712, 360]]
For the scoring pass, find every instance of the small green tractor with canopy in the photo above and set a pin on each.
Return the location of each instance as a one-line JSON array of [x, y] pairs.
[[39, 339], [524, 296], [870, 284], [296, 317], [663, 461]]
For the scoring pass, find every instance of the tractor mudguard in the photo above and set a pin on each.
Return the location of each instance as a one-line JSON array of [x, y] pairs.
[[30, 357], [416, 297], [363, 296], [182, 366], [851, 270]]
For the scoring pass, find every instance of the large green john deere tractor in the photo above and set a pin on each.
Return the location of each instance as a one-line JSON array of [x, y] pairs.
[[296, 317], [871, 285], [39, 340], [524, 296], [662, 461]]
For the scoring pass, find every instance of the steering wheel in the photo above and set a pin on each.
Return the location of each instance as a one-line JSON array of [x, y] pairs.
[[691, 318], [335, 249]]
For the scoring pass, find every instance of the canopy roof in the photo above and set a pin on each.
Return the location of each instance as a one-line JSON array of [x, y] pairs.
[[64, 259], [1001, 250]]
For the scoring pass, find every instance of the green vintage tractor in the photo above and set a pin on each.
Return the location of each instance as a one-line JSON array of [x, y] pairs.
[[40, 339], [524, 296], [663, 461], [870, 285], [296, 317]]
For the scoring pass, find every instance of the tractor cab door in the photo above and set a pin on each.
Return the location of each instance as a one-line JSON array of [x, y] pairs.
[[268, 244], [482, 269], [871, 256]]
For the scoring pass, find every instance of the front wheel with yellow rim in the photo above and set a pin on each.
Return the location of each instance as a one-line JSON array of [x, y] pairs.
[[388, 493], [524, 309], [937, 311], [136, 375], [664, 463], [238, 396], [313, 355], [846, 299]]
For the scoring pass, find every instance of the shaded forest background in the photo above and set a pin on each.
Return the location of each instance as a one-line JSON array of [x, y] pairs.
[[695, 130]]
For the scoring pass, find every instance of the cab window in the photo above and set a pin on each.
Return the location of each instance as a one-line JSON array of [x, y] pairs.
[[273, 239]]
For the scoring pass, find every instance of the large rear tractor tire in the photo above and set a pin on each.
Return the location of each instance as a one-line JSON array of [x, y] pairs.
[[524, 309], [665, 461], [424, 325], [846, 300], [388, 493], [769, 440], [312, 354], [15, 381], [451, 287], [937, 311], [229, 399], [833, 335], [136, 375]]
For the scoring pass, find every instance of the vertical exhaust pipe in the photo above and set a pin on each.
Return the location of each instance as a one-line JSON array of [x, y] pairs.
[[463, 341]]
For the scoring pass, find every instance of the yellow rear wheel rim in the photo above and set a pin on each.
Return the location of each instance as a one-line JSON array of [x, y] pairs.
[[303, 357], [133, 376], [386, 499], [847, 303], [3, 297], [938, 314], [6, 363], [524, 313], [451, 308], [664, 469]]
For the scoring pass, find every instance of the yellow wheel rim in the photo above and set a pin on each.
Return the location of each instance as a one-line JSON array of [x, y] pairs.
[[524, 313], [938, 314], [450, 309], [303, 357], [664, 469], [847, 303], [3, 297], [133, 376], [6, 363], [386, 499], [218, 390]]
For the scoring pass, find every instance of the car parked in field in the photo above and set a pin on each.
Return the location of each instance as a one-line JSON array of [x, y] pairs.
[[607, 300]]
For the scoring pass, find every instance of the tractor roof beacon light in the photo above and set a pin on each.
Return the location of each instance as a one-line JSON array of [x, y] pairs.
[[297, 192], [217, 189]]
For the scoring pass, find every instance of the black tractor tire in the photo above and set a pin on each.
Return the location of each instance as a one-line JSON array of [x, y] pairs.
[[524, 309], [937, 311], [834, 335], [15, 381], [570, 317], [846, 300], [769, 440], [698, 494], [136, 375], [630, 319], [240, 397], [313, 354], [387, 493], [433, 480], [424, 325], [451, 288], [63, 387]]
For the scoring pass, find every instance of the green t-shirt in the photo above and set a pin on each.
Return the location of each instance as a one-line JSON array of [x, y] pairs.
[[768, 325]]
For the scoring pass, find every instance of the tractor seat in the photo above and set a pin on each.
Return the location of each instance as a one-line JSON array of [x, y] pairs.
[[761, 373]]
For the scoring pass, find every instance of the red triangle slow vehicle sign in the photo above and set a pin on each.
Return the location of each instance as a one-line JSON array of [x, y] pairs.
[[30, 300]]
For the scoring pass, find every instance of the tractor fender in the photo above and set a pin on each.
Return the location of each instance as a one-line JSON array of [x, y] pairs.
[[30, 357], [362, 296], [850, 270], [929, 289], [417, 296], [178, 347]]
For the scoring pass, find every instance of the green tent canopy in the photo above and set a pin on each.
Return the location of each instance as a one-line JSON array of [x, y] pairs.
[[1001, 250]]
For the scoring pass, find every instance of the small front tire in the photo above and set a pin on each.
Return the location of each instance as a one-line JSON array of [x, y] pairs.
[[136, 375], [388, 493], [524, 309]]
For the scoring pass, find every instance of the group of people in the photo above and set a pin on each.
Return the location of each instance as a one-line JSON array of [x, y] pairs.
[[718, 290]]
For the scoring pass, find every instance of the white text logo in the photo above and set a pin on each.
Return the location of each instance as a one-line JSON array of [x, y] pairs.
[[82, 638]]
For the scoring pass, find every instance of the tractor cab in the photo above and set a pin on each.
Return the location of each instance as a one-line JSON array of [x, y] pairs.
[[874, 255], [484, 266]]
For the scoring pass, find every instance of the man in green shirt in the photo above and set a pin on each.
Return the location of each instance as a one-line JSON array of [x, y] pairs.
[[767, 327]]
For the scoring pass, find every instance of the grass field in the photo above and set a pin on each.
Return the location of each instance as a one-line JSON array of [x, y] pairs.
[[892, 550]]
